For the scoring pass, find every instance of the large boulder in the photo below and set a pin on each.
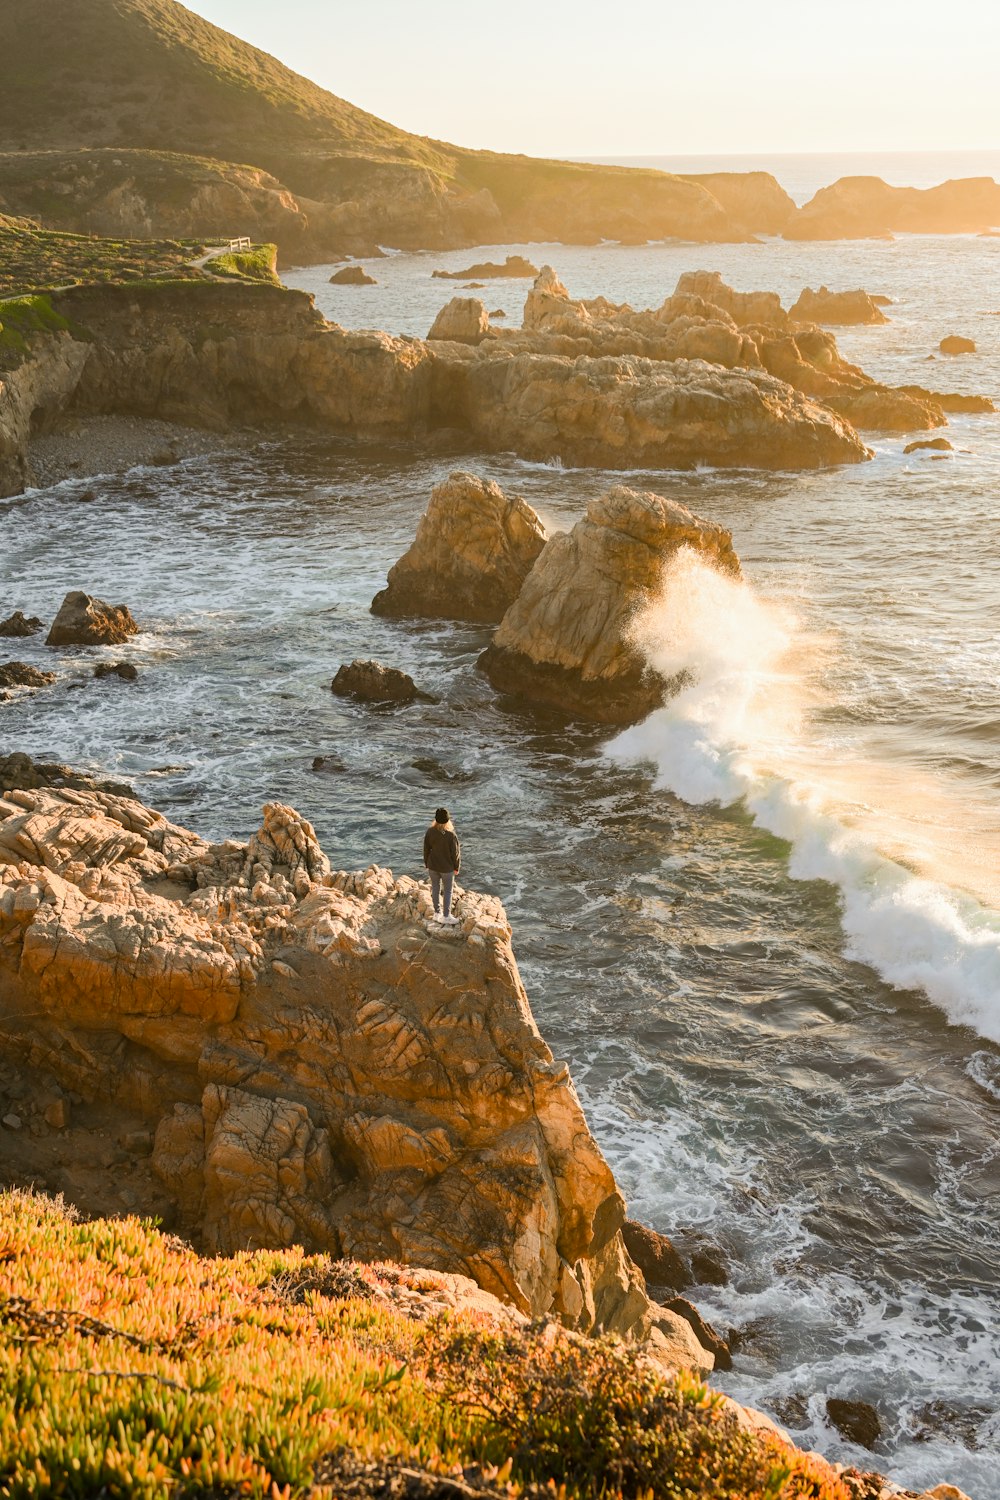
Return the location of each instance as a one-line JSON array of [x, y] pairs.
[[463, 320], [321, 1063], [85, 621], [956, 343], [373, 682], [566, 640], [837, 308], [473, 550]]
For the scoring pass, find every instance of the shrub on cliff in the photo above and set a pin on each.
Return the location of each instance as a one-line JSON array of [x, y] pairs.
[[129, 1366]]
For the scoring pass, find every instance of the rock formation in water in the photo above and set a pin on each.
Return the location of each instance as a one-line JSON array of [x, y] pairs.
[[746, 331], [463, 320], [567, 638], [473, 549], [868, 208], [18, 625], [486, 270], [20, 674], [840, 309], [85, 621], [956, 343], [372, 682], [352, 276], [318, 1062]]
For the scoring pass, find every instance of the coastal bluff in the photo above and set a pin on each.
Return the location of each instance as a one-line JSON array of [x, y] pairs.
[[313, 1060]]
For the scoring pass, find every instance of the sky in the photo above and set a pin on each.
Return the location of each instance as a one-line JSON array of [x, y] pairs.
[[650, 77]]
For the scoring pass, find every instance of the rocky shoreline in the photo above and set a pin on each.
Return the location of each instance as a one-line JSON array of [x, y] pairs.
[[711, 377], [82, 447]]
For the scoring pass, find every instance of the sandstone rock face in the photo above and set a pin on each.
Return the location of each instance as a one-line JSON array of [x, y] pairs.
[[18, 625], [755, 201], [838, 308], [321, 1063], [566, 640], [371, 682], [85, 621], [473, 550], [463, 320]]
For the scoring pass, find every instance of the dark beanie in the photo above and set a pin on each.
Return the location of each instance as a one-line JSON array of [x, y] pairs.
[[442, 815]]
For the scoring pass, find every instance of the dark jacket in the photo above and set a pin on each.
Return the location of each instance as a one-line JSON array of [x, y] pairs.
[[442, 851]]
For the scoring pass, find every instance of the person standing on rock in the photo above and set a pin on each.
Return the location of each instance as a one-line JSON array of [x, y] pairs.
[[442, 859]]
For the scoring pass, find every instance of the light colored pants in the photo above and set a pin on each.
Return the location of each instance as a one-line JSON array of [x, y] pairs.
[[447, 880]]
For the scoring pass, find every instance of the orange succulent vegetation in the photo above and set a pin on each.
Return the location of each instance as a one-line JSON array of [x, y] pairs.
[[132, 1366]]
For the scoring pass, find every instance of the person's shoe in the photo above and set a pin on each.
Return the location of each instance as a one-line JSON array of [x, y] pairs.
[[436, 916], [451, 921]]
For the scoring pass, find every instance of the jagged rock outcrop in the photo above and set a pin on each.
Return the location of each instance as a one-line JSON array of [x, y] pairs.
[[566, 640], [473, 549], [707, 320], [84, 620], [18, 625], [321, 1063], [842, 309], [373, 682], [463, 320]]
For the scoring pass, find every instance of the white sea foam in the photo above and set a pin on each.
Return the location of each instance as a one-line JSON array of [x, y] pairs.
[[741, 730]]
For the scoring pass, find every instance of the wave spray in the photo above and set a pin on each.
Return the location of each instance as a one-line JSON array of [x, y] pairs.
[[746, 726]]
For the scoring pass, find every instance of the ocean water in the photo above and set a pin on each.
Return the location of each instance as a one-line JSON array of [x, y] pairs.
[[764, 925]]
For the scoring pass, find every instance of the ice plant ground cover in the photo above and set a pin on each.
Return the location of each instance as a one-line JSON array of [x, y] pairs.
[[130, 1365]]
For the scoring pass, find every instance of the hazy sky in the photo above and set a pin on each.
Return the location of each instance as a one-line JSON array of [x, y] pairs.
[[650, 77]]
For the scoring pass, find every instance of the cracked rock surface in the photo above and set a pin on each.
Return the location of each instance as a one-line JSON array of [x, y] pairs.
[[318, 1063]]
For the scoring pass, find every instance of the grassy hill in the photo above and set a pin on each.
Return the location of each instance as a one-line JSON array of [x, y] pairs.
[[151, 79], [131, 1367]]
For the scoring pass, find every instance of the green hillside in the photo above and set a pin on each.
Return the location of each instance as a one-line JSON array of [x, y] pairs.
[[180, 99]]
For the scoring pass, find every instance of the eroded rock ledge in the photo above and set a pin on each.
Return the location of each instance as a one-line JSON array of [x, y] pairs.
[[319, 1063]]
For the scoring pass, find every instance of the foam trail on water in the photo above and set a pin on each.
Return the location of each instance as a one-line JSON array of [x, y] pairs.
[[738, 730]]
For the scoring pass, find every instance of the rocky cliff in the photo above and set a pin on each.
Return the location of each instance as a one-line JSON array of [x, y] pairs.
[[216, 355], [319, 1063]]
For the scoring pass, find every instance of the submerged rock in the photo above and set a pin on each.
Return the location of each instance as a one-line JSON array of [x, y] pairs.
[[123, 669], [840, 308], [371, 682], [858, 1421], [473, 549], [939, 444], [319, 1064], [463, 320], [85, 621], [567, 638], [18, 625]]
